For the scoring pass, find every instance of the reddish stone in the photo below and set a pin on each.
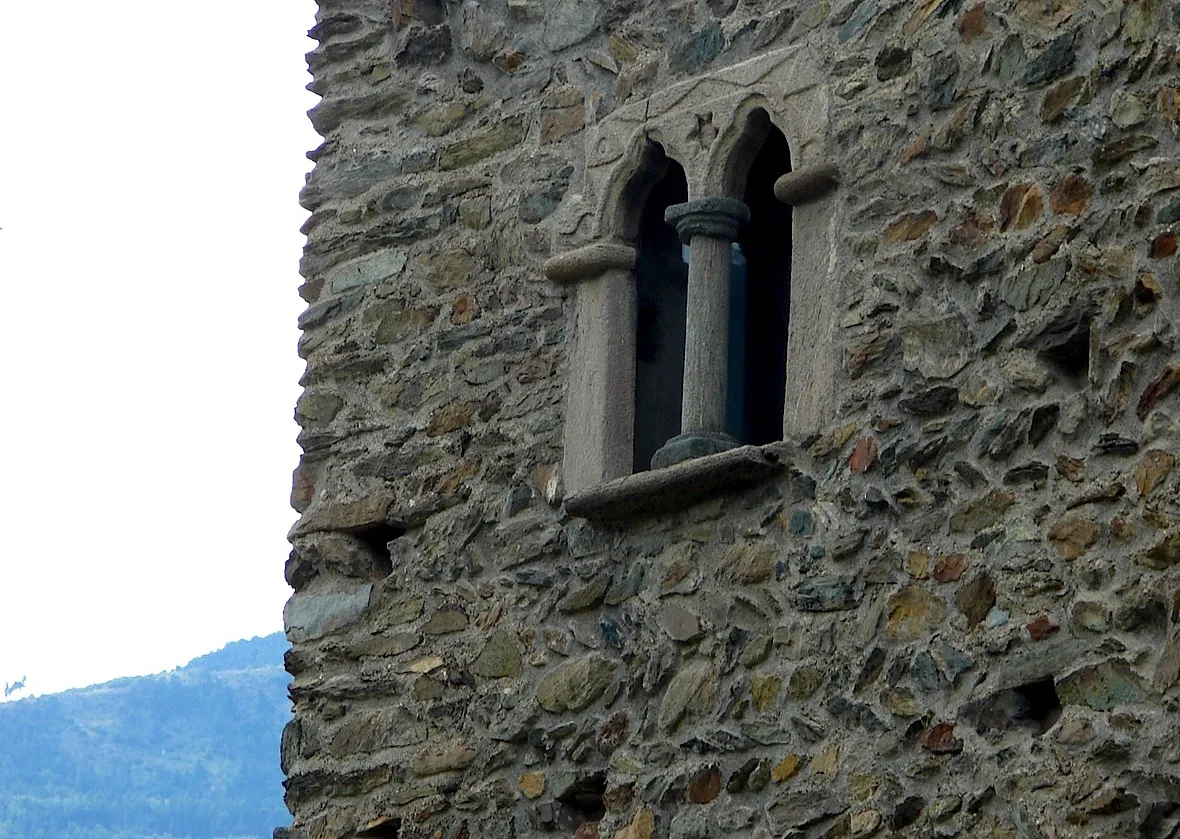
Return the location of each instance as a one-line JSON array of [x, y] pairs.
[[1060, 97], [1163, 245], [463, 309], [1020, 206], [1169, 105], [1071, 196], [863, 456], [1049, 245], [940, 739], [917, 147], [613, 732], [949, 568], [1161, 386], [587, 830], [509, 61], [1041, 628], [976, 598], [705, 785], [971, 232], [972, 24]]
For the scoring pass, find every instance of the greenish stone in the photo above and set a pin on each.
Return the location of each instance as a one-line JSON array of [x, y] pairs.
[[627, 586], [319, 408], [982, 513], [804, 682], [442, 119], [855, 24], [587, 596], [691, 692], [404, 611], [692, 53], [368, 270], [763, 690], [500, 137], [1163, 555], [801, 523], [499, 659], [445, 621], [575, 684], [1103, 687], [756, 651]]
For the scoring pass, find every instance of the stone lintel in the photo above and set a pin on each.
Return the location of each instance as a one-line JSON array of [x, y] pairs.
[[714, 216], [589, 262], [802, 186], [677, 487]]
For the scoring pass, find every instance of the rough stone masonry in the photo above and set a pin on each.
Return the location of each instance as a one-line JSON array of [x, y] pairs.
[[949, 608]]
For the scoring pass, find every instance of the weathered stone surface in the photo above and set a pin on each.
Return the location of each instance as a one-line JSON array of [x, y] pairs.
[[499, 658], [982, 513], [569, 22], [575, 684], [1159, 387], [501, 137], [310, 616], [827, 595], [436, 760], [1073, 536], [855, 632], [691, 692], [1153, 468], [913, 612], [976, 597], [1163, 554], [680, 623], [1102, 687]]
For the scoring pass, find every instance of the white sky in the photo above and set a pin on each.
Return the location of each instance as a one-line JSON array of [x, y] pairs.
[[151, 156]]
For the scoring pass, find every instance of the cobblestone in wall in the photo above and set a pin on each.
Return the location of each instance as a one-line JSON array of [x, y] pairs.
[[957, 614]]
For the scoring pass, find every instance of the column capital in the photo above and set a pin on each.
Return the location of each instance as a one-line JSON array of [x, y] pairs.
[[714, 216]]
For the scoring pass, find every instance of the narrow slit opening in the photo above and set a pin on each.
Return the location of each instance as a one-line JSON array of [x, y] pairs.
[[388, 829], [377, 538], [584, 800], [1043, 705], [1072, 358]]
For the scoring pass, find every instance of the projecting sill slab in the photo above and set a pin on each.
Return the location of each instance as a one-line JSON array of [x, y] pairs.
[[677, 487]]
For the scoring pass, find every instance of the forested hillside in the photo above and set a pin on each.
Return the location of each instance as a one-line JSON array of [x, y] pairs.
[[191, 754]]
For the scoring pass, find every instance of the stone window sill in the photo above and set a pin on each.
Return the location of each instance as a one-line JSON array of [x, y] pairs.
[[680, 486]]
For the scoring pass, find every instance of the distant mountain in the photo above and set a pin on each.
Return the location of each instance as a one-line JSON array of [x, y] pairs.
[[190, 754]]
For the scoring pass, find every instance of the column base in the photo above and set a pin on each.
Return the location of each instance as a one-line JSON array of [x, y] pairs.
[[695, 444]]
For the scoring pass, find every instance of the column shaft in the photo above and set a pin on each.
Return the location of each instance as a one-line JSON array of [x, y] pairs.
[[706, 346]]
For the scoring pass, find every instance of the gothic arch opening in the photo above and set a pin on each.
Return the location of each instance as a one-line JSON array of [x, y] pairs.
[[760, 294], [661, 278]]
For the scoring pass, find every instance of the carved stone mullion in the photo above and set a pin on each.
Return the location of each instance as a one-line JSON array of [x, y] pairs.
[[709, 226]]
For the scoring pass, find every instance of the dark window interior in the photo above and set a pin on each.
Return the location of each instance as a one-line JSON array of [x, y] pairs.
[[760, 300], [662, 287]]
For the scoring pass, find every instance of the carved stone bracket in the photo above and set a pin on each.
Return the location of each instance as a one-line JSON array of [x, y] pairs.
[[802, 186], [590, 262]]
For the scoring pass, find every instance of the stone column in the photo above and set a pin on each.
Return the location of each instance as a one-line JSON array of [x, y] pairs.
[[600, 404], [709, 226]]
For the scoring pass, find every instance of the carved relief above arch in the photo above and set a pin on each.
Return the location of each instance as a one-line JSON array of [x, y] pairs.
[[712, 126], [698, 122]]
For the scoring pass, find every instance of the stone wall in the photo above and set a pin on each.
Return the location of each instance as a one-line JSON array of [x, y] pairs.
[[956, 612]]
